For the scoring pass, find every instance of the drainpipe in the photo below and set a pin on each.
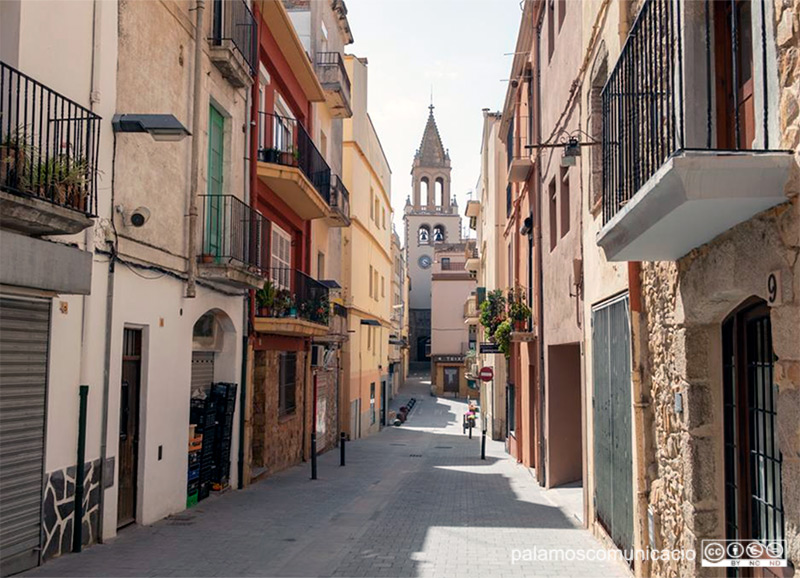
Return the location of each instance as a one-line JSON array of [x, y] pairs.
[[542, 473], [243, 386], [191, 273], [641, 405]]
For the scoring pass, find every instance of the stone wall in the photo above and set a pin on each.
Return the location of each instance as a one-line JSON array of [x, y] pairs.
[[278, 440], [58, 510], [685, 304]]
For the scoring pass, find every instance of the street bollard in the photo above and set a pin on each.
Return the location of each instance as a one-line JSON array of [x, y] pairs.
[[483, 445], [470, 428], [342, 440], [313, 456]]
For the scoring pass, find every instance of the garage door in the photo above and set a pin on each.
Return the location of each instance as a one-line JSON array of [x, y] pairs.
[[24, 337], [202, 371]]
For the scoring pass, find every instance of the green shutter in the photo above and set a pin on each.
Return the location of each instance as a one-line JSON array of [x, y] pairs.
[[481, 293], [214, 210]]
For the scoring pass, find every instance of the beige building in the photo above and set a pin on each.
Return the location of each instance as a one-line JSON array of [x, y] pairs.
[[451, 338], [487, 217], [398, 339], [368, 266]]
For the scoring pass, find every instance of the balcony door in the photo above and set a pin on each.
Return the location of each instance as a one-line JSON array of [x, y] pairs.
[[733, 50], [215, 205], [281, 258]]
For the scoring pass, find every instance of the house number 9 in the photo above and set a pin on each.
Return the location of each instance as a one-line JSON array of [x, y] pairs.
[[774, 288]]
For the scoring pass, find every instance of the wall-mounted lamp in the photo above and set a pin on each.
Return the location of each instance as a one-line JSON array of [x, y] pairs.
[[572, 150], [162, 127]]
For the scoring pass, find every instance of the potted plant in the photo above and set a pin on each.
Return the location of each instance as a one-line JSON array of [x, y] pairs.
[[206, 258], [284, 304], [14, 150], [265, 299], [502, 337], [493, 311], [518, 312]]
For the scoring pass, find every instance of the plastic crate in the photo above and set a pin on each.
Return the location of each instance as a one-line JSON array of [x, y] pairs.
[[192, 499]]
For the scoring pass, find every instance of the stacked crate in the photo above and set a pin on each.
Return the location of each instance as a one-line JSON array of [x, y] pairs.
[[193, 479], [204, 414], [224, 395]]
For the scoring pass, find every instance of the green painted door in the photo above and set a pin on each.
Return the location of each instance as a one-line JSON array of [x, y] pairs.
[[214, 244]]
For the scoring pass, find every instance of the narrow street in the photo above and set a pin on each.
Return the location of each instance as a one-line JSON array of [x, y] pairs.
[[415, 500]]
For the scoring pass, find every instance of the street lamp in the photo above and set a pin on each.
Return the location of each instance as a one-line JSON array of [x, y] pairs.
[[162, 127]]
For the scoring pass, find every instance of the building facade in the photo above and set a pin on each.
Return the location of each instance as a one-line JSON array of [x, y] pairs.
[[368, 265], [452, 340], [398, 339]]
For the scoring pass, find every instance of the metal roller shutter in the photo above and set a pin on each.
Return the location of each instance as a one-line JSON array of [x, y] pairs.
[[202, 371], [24, 338]]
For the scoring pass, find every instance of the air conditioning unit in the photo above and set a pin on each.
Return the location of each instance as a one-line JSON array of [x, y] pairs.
[[317, 355]]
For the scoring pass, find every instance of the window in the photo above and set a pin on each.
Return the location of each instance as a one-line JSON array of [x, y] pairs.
[[371, 205], [438, 234], [369, 337], [562, 13], [370, 281], [445, 263], [551, 195], [281, 258], [263, 82], [424, 191], [323, 144], [383, 219], [320, 265], [551, 29], [372, 402], [375, 273], [287, 381], [438, 192], [215, 219], [383, 288], [283, 136], [564, 201], [377, 212]]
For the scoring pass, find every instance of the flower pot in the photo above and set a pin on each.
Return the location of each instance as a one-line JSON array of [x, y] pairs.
[[264, 312], [288, 159], [207, 258]]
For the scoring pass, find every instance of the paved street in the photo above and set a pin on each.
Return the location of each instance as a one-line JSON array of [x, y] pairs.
[[412, 501]]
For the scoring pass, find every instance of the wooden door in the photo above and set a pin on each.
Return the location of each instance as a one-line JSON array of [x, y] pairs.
[[733, 49], [451, 379], [215, 209], [129, 426]]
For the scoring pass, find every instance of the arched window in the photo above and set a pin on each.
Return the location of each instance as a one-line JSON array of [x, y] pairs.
[[438, 192], [424, 235], [438, 234], [424, 191]]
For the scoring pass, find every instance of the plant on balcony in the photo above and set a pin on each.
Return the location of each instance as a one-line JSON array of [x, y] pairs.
[[14, 150], [265, 299], [61, 179], [493, 311], [291, 157], [316, 309], [502, 337], [284, 304], [518, 310]]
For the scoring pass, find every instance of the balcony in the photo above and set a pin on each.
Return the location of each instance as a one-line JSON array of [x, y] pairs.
[[233, 44], [471, 312], [292, 304], [520, 163], [675, 174], [335, 82], [473, 262], [339, 215], [292, 167], [234, 242], [48, 158]]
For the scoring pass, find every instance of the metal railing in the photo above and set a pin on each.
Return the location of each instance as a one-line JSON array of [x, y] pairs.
[[233, 233], [334, 60], [340, 196], [293, 294], [48, 144], [645, 118], [285, 141], [234, 21]]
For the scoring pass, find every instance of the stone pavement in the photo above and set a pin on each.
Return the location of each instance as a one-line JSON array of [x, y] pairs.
[[415, 500]]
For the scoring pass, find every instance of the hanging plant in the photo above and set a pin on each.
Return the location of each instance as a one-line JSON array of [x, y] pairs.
[[493, 311], [502, 337], [518, 311]]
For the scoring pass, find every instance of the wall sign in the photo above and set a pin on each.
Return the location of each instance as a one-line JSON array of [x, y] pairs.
[[489, 347]]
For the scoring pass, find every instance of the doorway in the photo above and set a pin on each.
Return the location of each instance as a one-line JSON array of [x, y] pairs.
[[753, 460], [451, 380], [128, 454]]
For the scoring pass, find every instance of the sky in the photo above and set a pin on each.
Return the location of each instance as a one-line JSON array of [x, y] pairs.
[[460, 49]]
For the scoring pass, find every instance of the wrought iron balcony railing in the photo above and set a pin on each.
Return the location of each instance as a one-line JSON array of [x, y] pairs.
[[48, 144], [340, 196], [284, 141], [686, 80], [233, 233], [334, 60], [291, 293], [234, 22]]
